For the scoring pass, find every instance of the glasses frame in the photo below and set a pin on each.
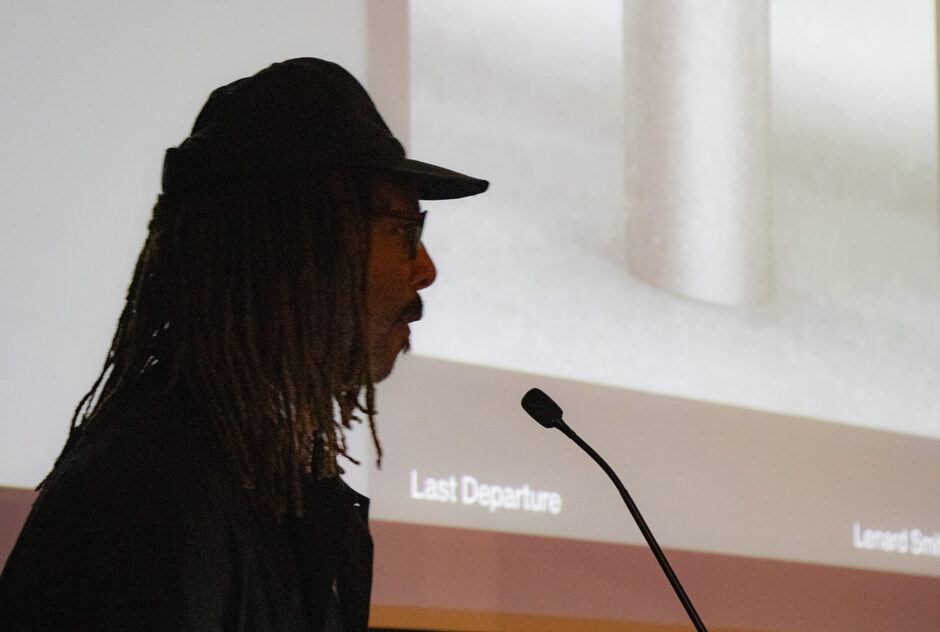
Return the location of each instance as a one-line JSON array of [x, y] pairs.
[[413, 219]]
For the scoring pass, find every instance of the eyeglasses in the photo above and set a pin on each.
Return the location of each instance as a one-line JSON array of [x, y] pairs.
[[410, 229]]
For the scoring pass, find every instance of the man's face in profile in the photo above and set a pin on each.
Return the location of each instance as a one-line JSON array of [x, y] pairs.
[[397, 271]]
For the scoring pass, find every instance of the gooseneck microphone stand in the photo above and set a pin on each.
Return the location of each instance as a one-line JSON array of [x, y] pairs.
[[544, 410]]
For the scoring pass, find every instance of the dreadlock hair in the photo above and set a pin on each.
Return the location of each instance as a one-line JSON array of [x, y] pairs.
[[250, 299]]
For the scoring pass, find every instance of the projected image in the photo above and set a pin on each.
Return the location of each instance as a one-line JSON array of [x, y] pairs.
[[712, 235], [766, 235], [719, 249]]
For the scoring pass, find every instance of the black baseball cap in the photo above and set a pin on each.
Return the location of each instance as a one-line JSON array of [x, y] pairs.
[[298, 116]]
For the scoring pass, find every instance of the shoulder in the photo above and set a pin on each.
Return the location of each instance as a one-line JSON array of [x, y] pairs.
[[148, 464], [138, 517]]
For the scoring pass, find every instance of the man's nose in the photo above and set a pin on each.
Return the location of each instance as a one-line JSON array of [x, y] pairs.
[[423, 272]]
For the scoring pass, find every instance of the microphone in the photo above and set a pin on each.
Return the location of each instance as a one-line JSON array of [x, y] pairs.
[[544, 410]]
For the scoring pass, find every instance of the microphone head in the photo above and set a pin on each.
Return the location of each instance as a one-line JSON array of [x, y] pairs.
[[542, 408]]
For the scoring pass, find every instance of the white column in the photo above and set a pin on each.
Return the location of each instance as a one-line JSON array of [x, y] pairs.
[[697, 147]]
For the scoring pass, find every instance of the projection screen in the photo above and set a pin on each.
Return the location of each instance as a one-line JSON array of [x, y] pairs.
[[712, 235]]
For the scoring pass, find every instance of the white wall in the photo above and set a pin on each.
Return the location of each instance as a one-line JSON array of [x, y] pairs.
[[91, 94]]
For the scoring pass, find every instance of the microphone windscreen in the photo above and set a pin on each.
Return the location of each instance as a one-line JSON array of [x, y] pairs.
[[541, 408]]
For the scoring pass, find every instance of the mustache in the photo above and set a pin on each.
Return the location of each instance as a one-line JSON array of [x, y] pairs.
[[412, 311]]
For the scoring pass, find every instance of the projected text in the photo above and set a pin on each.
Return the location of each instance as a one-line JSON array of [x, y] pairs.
[[904, 541], [467, 490]]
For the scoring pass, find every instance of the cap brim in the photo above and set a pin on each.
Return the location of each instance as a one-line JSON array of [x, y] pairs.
[[438, 183]]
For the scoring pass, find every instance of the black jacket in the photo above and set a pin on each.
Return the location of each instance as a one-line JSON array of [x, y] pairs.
[[141, 527]]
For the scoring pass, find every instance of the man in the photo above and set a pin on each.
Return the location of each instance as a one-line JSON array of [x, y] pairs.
[[199, 487]]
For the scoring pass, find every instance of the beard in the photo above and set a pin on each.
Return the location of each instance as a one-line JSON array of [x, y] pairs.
[[413, 311], [388, 344]]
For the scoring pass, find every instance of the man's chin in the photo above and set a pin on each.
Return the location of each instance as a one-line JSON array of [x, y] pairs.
[[383, 368]]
